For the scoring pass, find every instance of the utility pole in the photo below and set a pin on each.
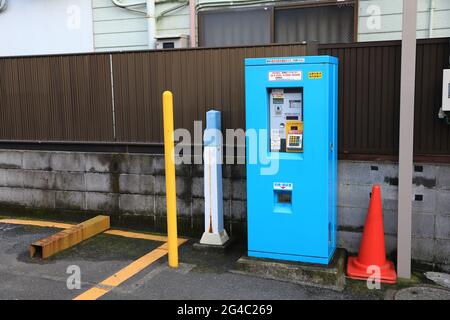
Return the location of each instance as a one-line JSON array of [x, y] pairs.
[[406, 143]]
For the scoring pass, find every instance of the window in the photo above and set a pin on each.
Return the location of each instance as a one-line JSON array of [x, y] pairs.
[[309, 21], [324, 24], [234, 27]]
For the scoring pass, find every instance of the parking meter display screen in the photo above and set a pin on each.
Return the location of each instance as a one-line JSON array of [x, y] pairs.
[[286, 119]]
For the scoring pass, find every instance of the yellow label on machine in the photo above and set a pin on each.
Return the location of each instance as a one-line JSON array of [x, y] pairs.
[[315, 75]]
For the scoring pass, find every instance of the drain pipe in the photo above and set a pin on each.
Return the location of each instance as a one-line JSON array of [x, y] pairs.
[[151, 24], [129, 6], [192, 18], [432, 7], [150, 15]]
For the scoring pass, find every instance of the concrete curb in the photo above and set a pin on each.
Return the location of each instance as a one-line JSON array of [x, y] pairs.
[[327, 277]]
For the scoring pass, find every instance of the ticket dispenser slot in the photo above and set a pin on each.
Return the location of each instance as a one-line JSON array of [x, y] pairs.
[[282, 197], [286, 119]]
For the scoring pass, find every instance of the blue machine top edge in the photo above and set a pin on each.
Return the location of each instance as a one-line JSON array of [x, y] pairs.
[[290, 60]]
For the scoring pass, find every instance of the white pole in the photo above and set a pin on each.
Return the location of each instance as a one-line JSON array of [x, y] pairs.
[[214, 233], [192, 16], [151, 24], [407, 89], [430, 26]]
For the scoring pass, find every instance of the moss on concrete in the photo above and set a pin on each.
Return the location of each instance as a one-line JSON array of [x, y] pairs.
[[45, 214], [328, 277], [359, 287], [114, 167], [104, 247]]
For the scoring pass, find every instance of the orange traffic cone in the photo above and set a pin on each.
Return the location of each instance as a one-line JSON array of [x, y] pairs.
[[372, 252]]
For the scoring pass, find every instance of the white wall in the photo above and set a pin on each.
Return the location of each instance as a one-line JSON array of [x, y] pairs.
[[34, 27]]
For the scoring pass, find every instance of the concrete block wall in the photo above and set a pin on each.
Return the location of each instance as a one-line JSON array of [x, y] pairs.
[[431, 207], [131, 188]]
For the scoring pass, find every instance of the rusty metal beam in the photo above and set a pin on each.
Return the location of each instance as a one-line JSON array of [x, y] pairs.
[[60, 241]]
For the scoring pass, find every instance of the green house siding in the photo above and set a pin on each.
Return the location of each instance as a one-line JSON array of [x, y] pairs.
[[390, 19], [120, 29], [175, 22], [116, 28]]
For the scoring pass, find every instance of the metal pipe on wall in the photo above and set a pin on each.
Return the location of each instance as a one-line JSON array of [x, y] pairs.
[[192, 18], [164, 12], [150, 15], [216, 4], [151, 24], [129, 6], [430, 27]]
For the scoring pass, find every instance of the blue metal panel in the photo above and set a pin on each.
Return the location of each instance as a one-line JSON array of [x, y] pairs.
[[304, 229]]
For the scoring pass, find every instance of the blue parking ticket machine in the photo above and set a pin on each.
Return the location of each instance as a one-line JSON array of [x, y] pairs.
[[292, 207]]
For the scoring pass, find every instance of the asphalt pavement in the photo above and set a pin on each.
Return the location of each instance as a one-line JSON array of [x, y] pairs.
[[201, 275]]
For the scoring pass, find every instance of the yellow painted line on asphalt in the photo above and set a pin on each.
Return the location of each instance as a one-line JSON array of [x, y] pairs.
[[92, 294], [38, 223], [180, 242], [110, 283], [115, 232], [134, 267], [137, 235], [126, 273]]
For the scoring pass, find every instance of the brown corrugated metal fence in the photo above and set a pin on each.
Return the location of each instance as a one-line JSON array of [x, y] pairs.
[[369, 97], [432, 135], [69, 98], [200, 79], [56, 98]]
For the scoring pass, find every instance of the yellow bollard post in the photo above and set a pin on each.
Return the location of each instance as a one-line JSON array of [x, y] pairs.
[[172, 241]]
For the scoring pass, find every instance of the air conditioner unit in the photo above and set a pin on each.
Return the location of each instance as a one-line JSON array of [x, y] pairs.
[[446, 91], [171, 41]]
